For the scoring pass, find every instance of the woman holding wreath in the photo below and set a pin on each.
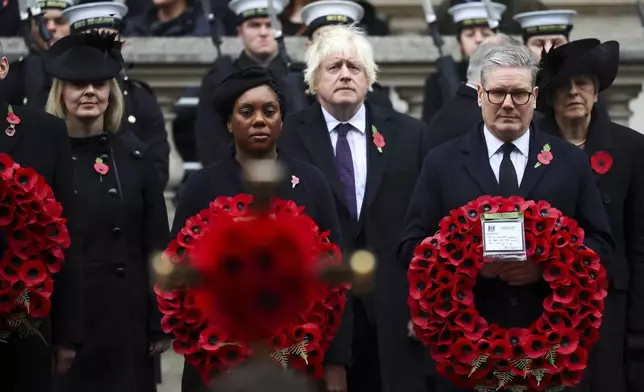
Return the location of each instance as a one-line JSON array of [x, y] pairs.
[[571, 78], [123, 218], [252, 102], [38, 141]]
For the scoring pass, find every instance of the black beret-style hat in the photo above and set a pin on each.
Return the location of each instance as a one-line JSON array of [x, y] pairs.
[[236, 84], [85, 57]]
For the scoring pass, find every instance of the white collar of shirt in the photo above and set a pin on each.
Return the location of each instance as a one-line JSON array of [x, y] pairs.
[[358, 121], [494, 145], [473, 86]]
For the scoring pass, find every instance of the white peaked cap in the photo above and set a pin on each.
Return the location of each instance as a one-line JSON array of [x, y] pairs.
[[241, 6], [95, 10], [545, 18], [474, 11], [332, 8]]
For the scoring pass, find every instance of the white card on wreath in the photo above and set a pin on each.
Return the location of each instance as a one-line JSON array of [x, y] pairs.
[[503, 237]]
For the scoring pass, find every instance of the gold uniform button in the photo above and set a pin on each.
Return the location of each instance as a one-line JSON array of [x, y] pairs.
[[131, 119]]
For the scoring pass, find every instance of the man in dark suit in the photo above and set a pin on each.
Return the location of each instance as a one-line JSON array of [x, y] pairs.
[[40, 142], [371, 158], [498, 157], [458, 116]]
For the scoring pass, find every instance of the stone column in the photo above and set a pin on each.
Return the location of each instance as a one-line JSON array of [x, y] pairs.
[[619, 100]]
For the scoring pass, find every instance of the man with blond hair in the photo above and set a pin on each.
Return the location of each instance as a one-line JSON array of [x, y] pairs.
[[371, 158]]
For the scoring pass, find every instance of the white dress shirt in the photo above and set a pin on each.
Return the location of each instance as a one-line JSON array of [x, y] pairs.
[[519, 156], [358, 145]]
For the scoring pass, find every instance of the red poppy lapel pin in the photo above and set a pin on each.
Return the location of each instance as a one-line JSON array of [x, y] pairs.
[[295, 180], [378, 139], [13, 120], [544, 157], [601, 162], [100, 167]]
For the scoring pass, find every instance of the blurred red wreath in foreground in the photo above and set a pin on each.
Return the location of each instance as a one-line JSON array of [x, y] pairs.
[[259, 283], [35, 233], [553, 351]]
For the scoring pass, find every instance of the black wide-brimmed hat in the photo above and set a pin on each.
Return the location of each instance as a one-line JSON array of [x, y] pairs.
[[587, 57], [85, 57]]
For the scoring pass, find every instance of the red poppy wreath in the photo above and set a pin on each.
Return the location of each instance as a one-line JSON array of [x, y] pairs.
[[549, 355], [35, 237], [258, 284]]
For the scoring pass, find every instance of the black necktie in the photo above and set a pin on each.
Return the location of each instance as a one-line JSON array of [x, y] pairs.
[[344, 165], [508, 182]]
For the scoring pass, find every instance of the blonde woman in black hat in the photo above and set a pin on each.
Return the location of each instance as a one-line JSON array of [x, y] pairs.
[[142, 117], [572, 76], [122, 215]]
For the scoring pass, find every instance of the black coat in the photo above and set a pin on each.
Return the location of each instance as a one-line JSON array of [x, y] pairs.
[[124, 221], [26, 81], [41, 143], [391, 177], [433, 95], [144, 119], [459, 171], [456, 118], [622, 193], [225, 179]]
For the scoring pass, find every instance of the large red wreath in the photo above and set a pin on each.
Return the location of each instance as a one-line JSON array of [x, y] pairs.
[[35, 235], [553, 351], [275, 299]]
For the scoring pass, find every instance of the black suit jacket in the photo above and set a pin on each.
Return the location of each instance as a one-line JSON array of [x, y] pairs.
[[433, 99], [459, 171], [622, 193], [391, 176], [41, 143], [456, 118]]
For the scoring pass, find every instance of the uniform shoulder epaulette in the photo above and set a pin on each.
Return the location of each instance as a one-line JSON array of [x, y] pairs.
[[139, 83], [134, 145]]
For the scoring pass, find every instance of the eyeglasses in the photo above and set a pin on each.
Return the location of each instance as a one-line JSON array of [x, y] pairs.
[[497, 97]]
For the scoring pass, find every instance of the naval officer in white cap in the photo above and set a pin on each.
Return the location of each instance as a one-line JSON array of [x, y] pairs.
[[260, 49], [324, 13], [472, 28], [105, 15], [545, 29]]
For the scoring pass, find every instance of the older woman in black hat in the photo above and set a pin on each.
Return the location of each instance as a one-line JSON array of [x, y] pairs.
[[252, 103], [572, 77], [123, 217]]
